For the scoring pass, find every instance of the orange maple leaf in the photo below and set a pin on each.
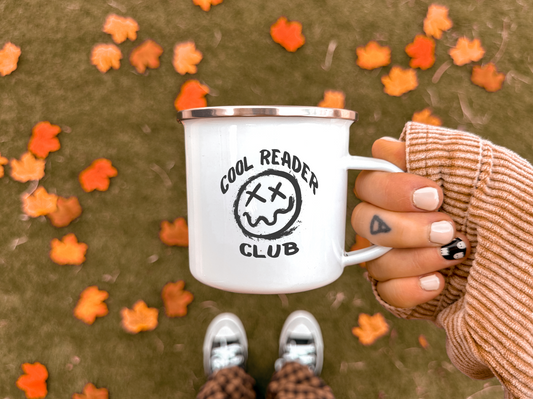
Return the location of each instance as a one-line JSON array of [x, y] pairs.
[[106, 56], [121, 28], [28, 168], [425, 116], [33, 381], [206, 4], [3, 161], [146, 56], [192, 95], [68, 251], [176, 299], [91, 392], [140, 318], [466, 51], [39, 203], [91, 305], [97, 175], [422, 340], [488, 77], [67, 210], [399, 81], [360, 243], [9, 57], [186, 57], [287, 34], [373, 55], [437, 21], [370, 328], [332, 99], [422, 52], [175, 233], [43, 139]]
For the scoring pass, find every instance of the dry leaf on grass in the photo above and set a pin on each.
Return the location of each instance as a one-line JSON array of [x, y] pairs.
[[28, 168], [97, 175], [140, 318], [3, 161], [437, 21], [186, 57], [67, 210], [488, 77], [422, 52], [33, 381], [146, 56], [287, 34], [9, 57], [175, 233], [466, 51], [176, 299], [43, 139], [91, 392], [370, 328], [206, 4], [121, 28], [106, 56], [373, 56], [425, 116], [423, 341], [91, 305], [39, 203], [399, 81], [192, 95], [68, 251], [332, 99]]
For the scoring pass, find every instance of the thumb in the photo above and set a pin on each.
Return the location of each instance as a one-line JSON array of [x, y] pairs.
[[391, 150]]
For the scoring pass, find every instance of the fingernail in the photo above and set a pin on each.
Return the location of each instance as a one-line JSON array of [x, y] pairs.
[[426, 198], [430, 283], [389, 138], [441, 232], [454, 250]]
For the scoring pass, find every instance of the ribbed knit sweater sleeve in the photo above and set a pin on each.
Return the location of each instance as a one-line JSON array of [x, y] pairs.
[[486, 306]]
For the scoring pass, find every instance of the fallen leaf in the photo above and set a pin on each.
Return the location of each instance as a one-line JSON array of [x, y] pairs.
[[425, 116], [39, 203], [68, 251], [43, 139], [67, 210], [121, 28], [33, 381], [91, 392], [146, 56], [91, 305], [192, 95], [371, 328], [186, 57], [97, 175], [176, 299], [423, 341], [140, 318], [3, 161], [422, 52], [360, 243], [488, 77], [175, 233], [28, 168], [9, 57], [287, 34], [206, 4], [106, 56], [332, 99], [466, 51], [399, 81], [373, 55], [437, 21]]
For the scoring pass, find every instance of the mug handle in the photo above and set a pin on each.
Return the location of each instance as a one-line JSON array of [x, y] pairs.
[[364, 163]]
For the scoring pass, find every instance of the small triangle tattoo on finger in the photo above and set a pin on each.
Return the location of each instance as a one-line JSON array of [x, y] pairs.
[[377, 226]]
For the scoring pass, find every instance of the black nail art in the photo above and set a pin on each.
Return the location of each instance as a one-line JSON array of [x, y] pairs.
[[454, 250]]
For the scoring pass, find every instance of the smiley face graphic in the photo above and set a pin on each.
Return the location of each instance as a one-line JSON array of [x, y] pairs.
[[268, 204]]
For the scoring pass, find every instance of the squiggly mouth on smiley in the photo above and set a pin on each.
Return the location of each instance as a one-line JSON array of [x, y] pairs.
[[274, 217]]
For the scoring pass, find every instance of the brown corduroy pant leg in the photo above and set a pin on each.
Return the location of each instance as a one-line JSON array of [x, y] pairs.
[[293, 381]]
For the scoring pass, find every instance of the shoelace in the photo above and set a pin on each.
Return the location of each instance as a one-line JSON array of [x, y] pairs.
[[303, 354], [226, 356]]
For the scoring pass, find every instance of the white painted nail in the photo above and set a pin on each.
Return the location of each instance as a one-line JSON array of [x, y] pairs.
[[426, 198], [430, 283], [441, 233], [389, 138]]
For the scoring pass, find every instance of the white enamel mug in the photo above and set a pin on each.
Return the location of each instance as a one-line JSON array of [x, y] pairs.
[[266, 196]]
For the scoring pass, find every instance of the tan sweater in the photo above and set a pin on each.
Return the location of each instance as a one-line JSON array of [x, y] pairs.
[[486, 307]]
